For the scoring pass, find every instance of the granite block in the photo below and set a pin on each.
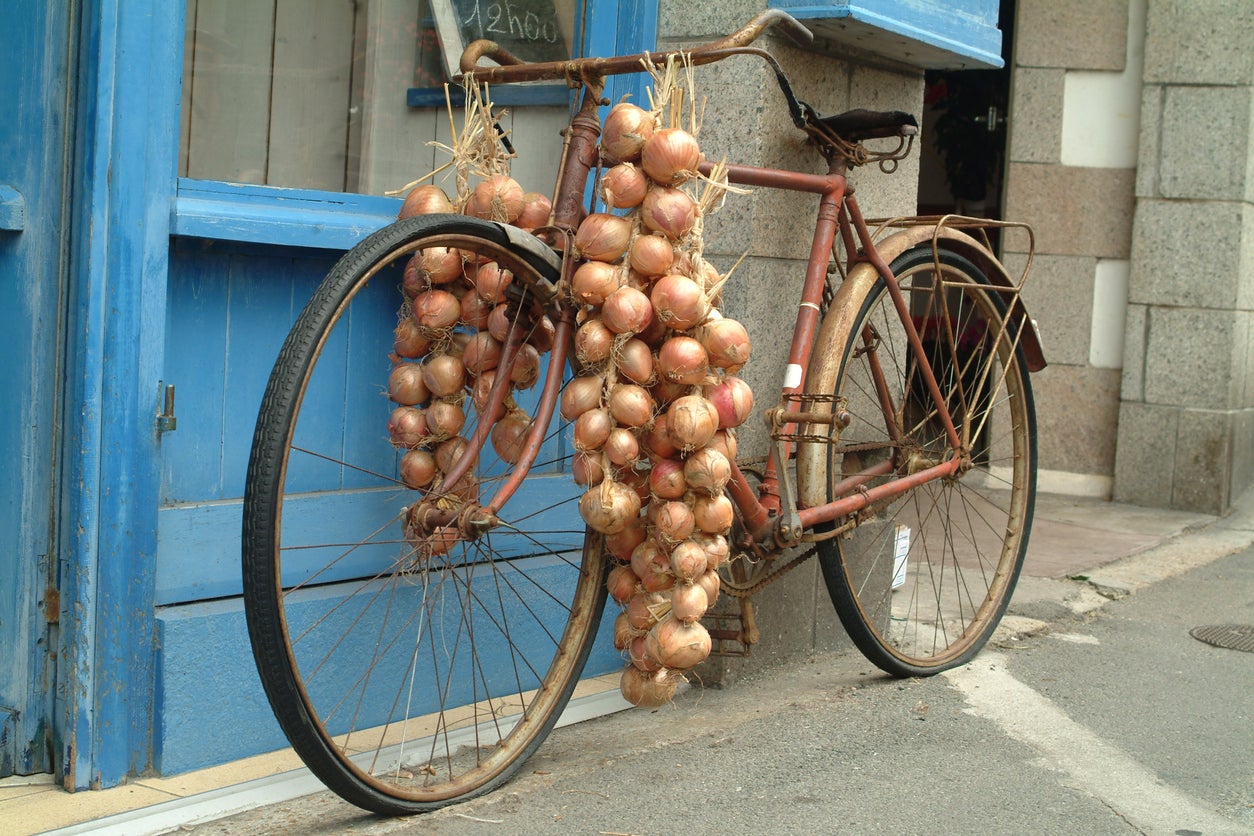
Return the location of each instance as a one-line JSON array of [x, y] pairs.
[[1203, 464], [1200, 43], [1148, 145], [1195, 357], [1075, 34], [1059, 296], [1187, 253], [1036, 115], [1205, 142], [1132, 381], [1145, 454], [1075, 211], [1077, 408]]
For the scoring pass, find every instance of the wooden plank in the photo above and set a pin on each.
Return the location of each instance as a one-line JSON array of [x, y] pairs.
[[229, 125], [309, 108], [196, 335]]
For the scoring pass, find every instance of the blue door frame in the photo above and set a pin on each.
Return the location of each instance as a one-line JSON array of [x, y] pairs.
[[127, 203]]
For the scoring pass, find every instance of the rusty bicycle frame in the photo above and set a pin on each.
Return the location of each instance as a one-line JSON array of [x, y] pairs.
[[772, 515]]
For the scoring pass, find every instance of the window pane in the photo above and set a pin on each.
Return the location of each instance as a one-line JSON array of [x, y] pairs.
[[312, 93]]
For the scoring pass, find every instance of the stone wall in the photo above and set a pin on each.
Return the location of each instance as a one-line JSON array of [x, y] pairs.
[[746, 121], [1070, 174], [1186, 422]]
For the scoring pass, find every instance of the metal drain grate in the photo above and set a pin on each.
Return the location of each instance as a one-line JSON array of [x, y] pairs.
[[1232, 636]]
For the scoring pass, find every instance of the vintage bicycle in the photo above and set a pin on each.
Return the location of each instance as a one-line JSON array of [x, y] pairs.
[[902, 453]]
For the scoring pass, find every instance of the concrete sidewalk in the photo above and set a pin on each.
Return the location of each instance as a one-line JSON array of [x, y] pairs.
[[1084, 552]]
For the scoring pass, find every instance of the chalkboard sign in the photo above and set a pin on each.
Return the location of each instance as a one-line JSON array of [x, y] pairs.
[[531, 29]]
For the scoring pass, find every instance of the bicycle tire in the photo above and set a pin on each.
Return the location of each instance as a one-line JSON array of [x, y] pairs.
[[923, 580], [405, 683]]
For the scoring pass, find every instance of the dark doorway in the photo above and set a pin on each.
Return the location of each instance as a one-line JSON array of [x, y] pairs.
[[964, 135]]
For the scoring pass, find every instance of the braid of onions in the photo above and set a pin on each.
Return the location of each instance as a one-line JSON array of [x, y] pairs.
[[452, 324], [656, 407]]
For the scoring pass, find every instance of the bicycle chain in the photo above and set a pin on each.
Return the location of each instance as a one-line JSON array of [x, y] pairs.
[[747, 591]]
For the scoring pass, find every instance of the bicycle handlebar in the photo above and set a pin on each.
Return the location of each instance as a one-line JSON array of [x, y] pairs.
[[514, 69]]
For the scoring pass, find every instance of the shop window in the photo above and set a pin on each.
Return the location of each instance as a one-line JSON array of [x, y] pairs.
[[320, 94]]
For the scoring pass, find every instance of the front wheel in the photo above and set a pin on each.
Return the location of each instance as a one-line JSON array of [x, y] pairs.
[[411, 664], [922, 580]]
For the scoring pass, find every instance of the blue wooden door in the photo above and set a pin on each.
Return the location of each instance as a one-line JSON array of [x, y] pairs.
[[35, 48]]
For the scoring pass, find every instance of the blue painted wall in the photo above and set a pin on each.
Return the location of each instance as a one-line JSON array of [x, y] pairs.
[[36, 41]]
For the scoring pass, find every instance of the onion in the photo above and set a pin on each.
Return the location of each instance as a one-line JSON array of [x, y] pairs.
[[450, 452], [666, 480], [624, 632], [445, 419], [481, 390], [580, 395], [622, 544], [638, 653], [716, 549], [621, 583], [724, 441], [410, 341], [648, 690], [510, 434], [594, 342], [627, 311], [689, 602], [634, 359], [482, 353], [543, 335], [713, 514], [670, 156], [499, 322], [444, 375], [625, 131], [440, 265], [418, 469], [711, 583], [536, 211], [679, 302], [688, 560], [674, 523], [593, 282], [498, 198], [425, 200], [631, 405], [623, 186], [679, 645], [586, 469], [407, 427], [592, 429], [621, 447], [440, 541], [657, 577], [707, 471], [436, 310], [692, 421], [727, 343], [733, 399], [609, 507], [475, 311], [668, 211], [651, 255], [405, 385], [648, 552], [682, 360], [491, 281], [526, 368], [603, 237], [659, 441]]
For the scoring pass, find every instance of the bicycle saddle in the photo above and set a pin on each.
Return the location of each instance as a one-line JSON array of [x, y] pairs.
[[859, 124]]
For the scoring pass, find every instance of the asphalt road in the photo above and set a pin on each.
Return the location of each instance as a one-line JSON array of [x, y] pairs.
[[1114, 721]]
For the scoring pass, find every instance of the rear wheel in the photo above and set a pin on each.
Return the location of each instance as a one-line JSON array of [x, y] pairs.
[[923, 579], [409, 676]]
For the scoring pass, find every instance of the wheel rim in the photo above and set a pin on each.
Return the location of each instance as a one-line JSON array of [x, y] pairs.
[[925, 578], [424, 678]]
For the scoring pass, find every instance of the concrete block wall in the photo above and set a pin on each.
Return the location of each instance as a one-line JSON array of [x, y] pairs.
[[1186, 421], [1071, 174], [769, 233]]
